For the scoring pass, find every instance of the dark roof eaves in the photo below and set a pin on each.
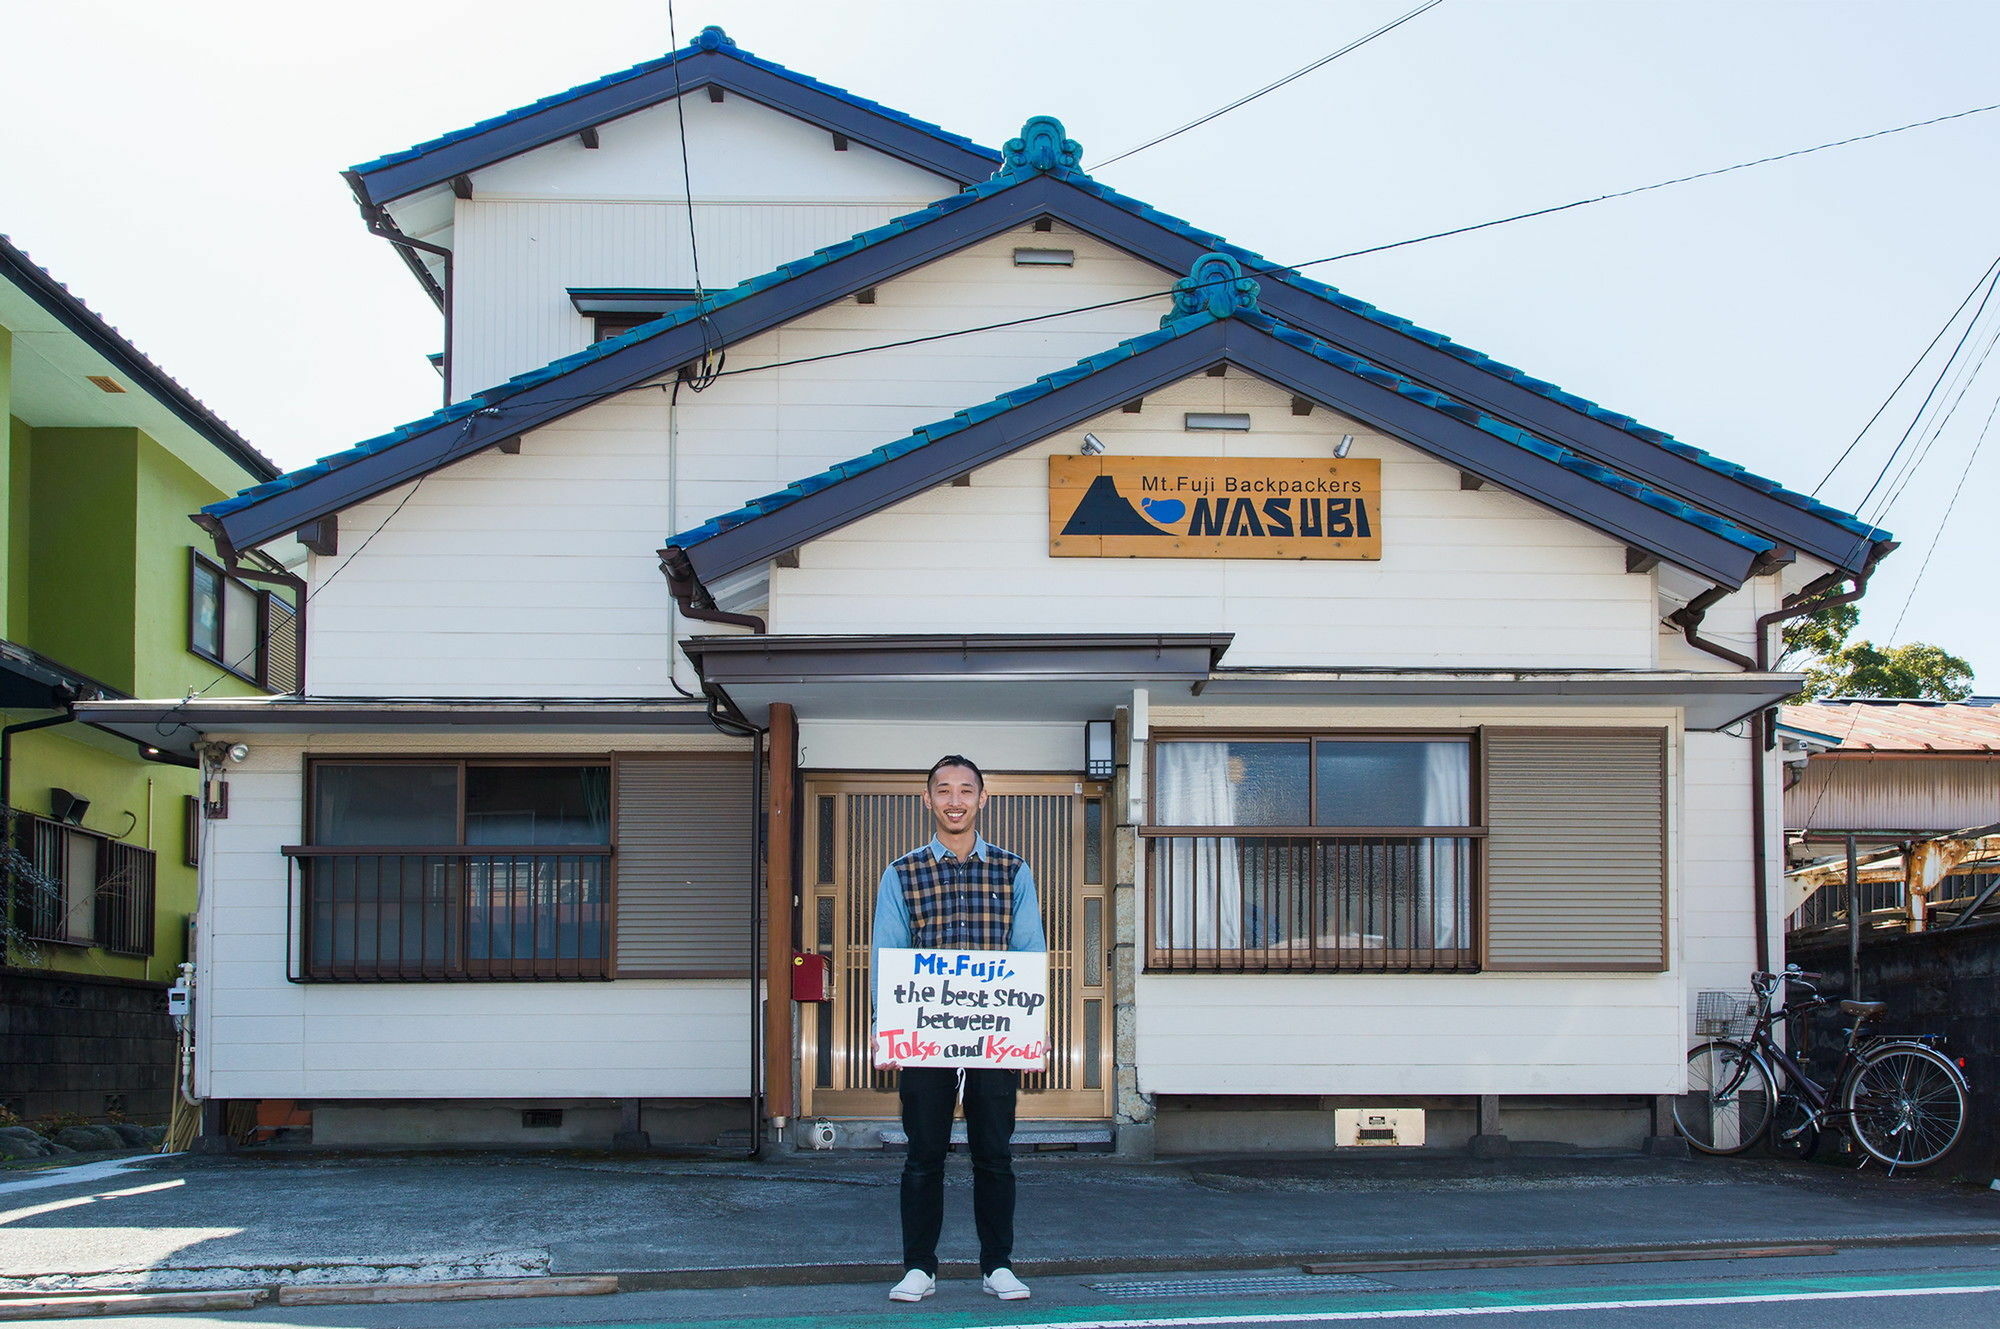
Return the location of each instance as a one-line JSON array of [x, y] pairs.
[[553, 118], [108, 342], [1541, 471]]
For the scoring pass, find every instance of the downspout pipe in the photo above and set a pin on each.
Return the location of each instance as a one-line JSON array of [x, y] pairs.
[[383, 226], [68, 714], [694, 599]]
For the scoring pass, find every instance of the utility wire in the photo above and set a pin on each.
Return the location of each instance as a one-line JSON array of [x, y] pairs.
[[1247, 98], [1937, 533], [1967, 374], [1908, 374], [713, 351]]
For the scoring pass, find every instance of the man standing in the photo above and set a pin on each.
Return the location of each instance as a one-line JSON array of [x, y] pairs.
[[958, 893]]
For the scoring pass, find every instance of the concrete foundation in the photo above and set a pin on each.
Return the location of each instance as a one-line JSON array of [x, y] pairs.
[[1202, 1124], [581, 1123]]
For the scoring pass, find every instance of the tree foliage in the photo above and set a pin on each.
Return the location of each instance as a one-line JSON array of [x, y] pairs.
[[1837, 667]]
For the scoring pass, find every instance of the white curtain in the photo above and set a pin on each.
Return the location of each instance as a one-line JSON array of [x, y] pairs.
[[1203, 898], [1444, 867]]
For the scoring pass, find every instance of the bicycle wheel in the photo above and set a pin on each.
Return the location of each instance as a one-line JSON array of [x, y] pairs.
[[1907, 1105], [1729, 1098]]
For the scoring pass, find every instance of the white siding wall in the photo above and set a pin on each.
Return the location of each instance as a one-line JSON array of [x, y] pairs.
[[1432, 1034], [264, 1037], [1477, 579], [536, 574], [767, 188]]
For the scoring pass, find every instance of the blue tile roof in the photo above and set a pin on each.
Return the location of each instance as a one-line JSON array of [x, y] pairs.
[[1172, 329], [1008, 177], [710, 39], [1262, 267]]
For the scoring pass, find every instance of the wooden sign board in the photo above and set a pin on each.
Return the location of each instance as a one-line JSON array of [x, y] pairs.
[[962, 1008], [1215, 507]]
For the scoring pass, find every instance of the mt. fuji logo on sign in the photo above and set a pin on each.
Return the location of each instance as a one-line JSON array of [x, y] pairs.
[[1178, 507]]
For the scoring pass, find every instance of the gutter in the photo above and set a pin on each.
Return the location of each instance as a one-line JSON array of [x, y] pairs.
[[65, 716], [381, 224], [693, 598]]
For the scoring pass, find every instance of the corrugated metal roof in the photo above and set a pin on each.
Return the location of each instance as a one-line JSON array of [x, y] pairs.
[[1909, 726]]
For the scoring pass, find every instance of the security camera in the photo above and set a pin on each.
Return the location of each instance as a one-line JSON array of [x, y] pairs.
[[1093, 446], [239, 752]]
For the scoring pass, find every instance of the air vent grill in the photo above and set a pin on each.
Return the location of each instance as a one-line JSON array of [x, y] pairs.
[[105, 384]]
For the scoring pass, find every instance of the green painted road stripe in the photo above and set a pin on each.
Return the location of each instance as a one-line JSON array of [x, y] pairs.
[[1387, 1306]]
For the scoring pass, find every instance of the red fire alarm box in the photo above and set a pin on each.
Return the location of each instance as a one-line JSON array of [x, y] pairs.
[[812, 977]]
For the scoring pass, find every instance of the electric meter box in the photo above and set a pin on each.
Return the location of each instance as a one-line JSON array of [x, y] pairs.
[[178, 999], [1372, 1127]]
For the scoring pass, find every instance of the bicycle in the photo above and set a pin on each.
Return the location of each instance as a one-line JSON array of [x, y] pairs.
[[1901, 1100]]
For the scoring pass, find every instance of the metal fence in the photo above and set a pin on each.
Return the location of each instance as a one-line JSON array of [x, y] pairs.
[[424, 914], [1304, 903]]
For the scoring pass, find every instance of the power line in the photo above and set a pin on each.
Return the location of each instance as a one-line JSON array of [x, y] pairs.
[[1937, 534], [1247, 98], [1908, 374], [712, 348]]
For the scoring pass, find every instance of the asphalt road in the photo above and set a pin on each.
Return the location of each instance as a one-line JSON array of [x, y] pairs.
[[1895, 1288]]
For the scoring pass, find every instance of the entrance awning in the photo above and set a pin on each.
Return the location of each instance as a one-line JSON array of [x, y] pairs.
[[1083, 676], [1038, 676], [176, 726]]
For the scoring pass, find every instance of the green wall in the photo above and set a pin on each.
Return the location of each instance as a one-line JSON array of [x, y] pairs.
[[83, 487]]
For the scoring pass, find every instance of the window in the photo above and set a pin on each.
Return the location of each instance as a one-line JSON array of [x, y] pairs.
[[249, 630], [1313, 853], [438, 870], [82, 888]]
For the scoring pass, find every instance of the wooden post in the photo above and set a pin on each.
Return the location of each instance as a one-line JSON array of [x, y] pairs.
[[780, 908]]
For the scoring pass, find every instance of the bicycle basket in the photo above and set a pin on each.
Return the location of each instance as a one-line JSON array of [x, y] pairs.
[[1724, 1014]]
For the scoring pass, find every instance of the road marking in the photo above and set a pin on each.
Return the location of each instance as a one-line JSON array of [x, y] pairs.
[[1534, 1308], [36, 1210]]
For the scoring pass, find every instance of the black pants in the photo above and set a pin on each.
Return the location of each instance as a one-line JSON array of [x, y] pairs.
[[929, 1094]]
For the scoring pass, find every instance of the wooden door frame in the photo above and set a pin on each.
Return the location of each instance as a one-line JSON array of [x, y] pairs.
[[1093, 1103]]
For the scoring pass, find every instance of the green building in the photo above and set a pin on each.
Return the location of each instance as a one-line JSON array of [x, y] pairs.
[[103, 594]]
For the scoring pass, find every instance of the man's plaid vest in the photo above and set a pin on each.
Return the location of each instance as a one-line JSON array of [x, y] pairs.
[[959, 903]]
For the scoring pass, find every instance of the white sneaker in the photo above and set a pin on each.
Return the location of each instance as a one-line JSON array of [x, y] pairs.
[[1001, 1283], [917, 1285]]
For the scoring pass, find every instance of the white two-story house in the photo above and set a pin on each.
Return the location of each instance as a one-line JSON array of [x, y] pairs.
[[1387, 727]]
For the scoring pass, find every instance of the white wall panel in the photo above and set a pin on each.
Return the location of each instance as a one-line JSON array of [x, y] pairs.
[[1477, 579], [262, 1036], [451, 597]]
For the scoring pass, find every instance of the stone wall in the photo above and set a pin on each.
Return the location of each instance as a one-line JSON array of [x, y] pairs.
[[87, 1045], [1937, 982]]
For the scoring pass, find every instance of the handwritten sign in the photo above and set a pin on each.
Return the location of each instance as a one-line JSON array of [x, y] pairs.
[[962, 1008], [1215, 507]]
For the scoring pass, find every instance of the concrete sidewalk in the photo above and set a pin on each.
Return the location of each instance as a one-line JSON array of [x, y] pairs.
[[255, 1220]]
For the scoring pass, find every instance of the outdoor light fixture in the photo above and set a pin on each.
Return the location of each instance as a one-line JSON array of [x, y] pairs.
[[1340, 448], [1215, 420], [67, 808], [239, 752], [1045, 258], [1097, 761], [1093, 446]]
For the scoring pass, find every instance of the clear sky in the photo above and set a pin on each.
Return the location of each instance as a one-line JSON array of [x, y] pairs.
[[177, 165]]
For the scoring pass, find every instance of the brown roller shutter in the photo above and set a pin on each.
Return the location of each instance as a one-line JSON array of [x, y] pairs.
[[682, 826], [1576, 852]]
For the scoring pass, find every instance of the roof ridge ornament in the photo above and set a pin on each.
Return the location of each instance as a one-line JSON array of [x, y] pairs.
[[1214, 285], [713, 38], [1042, 146]]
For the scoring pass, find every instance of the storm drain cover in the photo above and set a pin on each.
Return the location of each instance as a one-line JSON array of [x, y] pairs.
[[1216, 1287]]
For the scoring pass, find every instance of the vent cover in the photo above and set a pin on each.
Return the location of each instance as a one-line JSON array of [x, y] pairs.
[[105, 384]]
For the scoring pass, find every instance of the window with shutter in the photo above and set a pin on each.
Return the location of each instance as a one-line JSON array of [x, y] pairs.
[[684, 824], [1576, 849]]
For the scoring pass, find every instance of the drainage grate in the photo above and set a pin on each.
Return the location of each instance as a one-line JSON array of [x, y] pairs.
[[1216, 1287]]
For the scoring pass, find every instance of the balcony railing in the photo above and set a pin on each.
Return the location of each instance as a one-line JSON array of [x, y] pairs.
[[1302, 903], [81, 887], [453, 913]]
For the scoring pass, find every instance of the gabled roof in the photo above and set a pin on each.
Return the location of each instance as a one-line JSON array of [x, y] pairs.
[[1216, 320], [34, 281], [710, 59], [1919, 727], [1038, 178]]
